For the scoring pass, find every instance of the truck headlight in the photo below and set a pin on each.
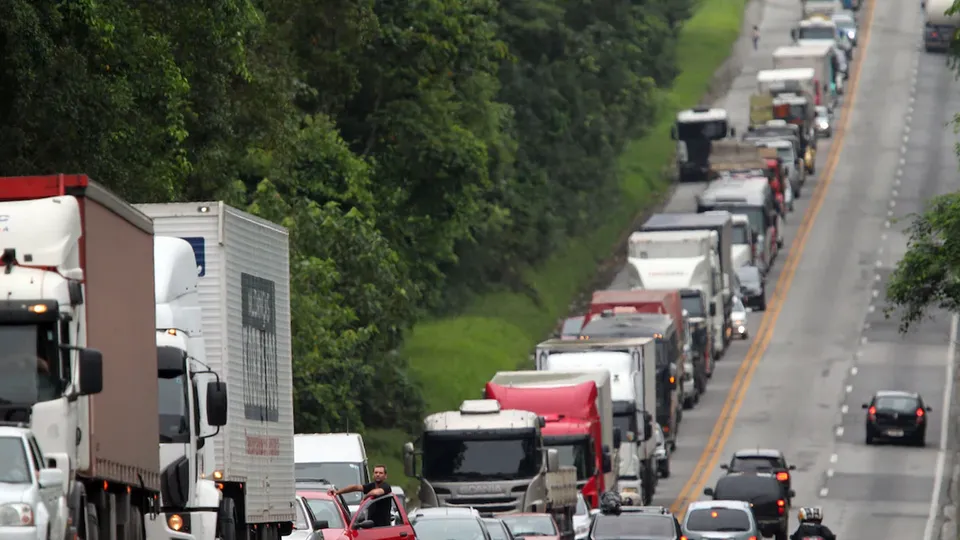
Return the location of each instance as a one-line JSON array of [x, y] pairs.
[[16, 515]]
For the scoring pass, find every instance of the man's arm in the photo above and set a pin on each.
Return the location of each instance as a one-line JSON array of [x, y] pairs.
[[348, 489]]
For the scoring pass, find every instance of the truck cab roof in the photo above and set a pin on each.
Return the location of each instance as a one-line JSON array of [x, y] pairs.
[[684, 221], [701, 115], [628, 325]]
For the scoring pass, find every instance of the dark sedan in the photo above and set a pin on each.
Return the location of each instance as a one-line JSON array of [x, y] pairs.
[[897, 416], [753, 287]]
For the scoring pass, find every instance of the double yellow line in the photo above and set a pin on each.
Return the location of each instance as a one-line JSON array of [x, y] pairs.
[[731, 407]]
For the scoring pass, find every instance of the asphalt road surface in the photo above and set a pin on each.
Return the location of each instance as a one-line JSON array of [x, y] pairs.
[[823, 346]]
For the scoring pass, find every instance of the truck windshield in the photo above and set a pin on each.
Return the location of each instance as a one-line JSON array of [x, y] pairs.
[[740, 235], [30, 363], [818, 32], [338, 474], [172, 405], [465, 456], [710, 130], [693, 303], [626, 421], [574, 452]]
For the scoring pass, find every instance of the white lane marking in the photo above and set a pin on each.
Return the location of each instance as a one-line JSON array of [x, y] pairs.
[[902, 162], [849, 388], [824, 491], [843, 410], [833, 458], [944, 432], [829, 473], [907, 130], [871, 309], [854, 370], [840, 431]]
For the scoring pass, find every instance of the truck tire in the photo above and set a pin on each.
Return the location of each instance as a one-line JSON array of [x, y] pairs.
[[134, 529], [227, 520], [648, 485], [91, 523]]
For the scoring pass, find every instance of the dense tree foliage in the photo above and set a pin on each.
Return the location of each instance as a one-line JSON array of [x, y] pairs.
[[419, 151]]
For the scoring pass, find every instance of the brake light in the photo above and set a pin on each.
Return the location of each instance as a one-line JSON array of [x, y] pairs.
[[919, 413], [872, 412], [781, 506], [753, 538], [683, 538], [782, 476]]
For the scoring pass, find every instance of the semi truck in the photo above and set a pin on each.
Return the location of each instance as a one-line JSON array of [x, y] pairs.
[[192, 399], [722, 224], [688, 260], [243, 281], [578, 411], [695, 130], [77, 288], [493, 460], [632, 367]]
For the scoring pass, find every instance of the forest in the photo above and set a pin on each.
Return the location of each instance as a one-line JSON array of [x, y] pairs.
[[420, 152]]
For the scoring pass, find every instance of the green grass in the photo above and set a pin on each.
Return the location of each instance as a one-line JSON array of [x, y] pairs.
[[452, 358]]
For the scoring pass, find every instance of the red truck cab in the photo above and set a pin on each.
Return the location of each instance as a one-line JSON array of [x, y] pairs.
[[362, 528], [572, 420]]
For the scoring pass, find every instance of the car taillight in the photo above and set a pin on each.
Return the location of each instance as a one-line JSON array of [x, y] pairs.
[[782, 476], [919, 415], [753, 538], [781, 506], [872, 412], [683, 538]]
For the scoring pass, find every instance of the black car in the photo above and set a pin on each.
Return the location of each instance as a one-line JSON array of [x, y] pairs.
[[637, 522], [768, 498], [753, 287], [897, 416], [766, 460]]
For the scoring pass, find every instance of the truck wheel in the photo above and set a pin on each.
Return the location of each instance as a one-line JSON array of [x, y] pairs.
[[134, 529], [91, 523], [227, 520]]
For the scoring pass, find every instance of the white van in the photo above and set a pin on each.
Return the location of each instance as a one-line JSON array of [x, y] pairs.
[[336, 458]]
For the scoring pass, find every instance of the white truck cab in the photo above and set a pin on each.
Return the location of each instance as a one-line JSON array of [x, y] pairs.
[[337, 458]]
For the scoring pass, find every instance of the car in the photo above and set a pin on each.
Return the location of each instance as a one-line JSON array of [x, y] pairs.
[[329, 511], [846, 24], [769, 500], [306, 526], [738, 319], [361, 527], [497, 529], [637, 522], [531, 525], [581, 519], [761, 460], [707, 520], [449, 523], [691, 396], [32, 492], [662, 453], [398, 491], [897, 416], [824, 121], [753, 287]]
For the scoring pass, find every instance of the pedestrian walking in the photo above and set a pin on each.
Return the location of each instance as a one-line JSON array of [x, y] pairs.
[[756, 37]]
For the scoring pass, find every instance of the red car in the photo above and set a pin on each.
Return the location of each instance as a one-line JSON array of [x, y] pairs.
[[528, 525], [363, 529]]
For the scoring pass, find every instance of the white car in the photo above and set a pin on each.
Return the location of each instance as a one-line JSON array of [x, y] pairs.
[[32, 505], [662, 453], [738, 319], [690, 395], [581, 519]]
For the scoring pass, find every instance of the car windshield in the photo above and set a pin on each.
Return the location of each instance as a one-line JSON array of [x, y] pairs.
[[633, 525], [754, 463], [326, 510], [542, 525], [495, 528], [718, 520], [897, 403], [740, 235], [749, 275], [14, 466], [449, 528], [818, 32], [338, 474]]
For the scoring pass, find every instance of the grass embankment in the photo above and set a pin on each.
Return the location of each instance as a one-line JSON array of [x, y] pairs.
[[452, 358]]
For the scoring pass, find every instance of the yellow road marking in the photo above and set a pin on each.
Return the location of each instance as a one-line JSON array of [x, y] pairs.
[[731, 407]]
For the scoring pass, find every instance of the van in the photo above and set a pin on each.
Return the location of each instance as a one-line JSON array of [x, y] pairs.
[[334, 458]]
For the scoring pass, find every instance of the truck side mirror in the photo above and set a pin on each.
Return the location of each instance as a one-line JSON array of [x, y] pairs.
[[733, 132], [708, 492], [553, 460], [617, 437], [606, 463], [713, 310], [217, 403], [91, 372], [647, 426], [408, 455]]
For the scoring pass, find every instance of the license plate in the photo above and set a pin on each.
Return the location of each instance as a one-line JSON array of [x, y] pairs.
[[895, 432]]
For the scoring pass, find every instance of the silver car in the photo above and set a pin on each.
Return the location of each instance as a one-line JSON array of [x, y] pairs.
[[31, 495], [709, 520], [824, 122], [738, 319], [662, 452]]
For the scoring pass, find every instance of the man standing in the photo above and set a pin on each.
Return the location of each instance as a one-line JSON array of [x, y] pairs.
[[378, 511]]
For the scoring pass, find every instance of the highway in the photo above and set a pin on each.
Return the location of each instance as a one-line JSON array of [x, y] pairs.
[[823, 346]]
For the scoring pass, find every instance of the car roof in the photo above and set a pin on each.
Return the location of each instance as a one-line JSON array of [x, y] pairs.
[[708, 505], [445, 512], [18, 430], [758, 452], [896, 393]]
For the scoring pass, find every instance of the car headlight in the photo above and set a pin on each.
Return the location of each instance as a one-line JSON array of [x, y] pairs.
[[582, 530], [16, 515], [629, 490]]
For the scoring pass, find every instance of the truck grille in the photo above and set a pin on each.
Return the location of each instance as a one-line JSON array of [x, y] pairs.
[[485, 504]]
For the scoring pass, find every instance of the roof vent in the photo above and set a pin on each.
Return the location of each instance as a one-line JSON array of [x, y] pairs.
[[701, 109], [480, 406]]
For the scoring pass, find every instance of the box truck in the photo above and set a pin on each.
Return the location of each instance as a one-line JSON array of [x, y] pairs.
[[243, 269]]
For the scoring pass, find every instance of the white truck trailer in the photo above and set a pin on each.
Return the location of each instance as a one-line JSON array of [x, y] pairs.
[[685, 260], [632, 363], [77, 288], [242, 263], [192, 399], [818, 55]]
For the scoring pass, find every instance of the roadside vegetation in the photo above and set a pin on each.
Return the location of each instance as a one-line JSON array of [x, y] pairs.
[[451, 171]]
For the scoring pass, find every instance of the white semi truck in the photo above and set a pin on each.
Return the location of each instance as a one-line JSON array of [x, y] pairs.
[[685, 260], [77, 327], [632, 363], [192, 399], [242, 265]]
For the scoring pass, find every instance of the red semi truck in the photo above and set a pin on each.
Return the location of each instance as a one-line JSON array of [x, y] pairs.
[[578, 409]]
